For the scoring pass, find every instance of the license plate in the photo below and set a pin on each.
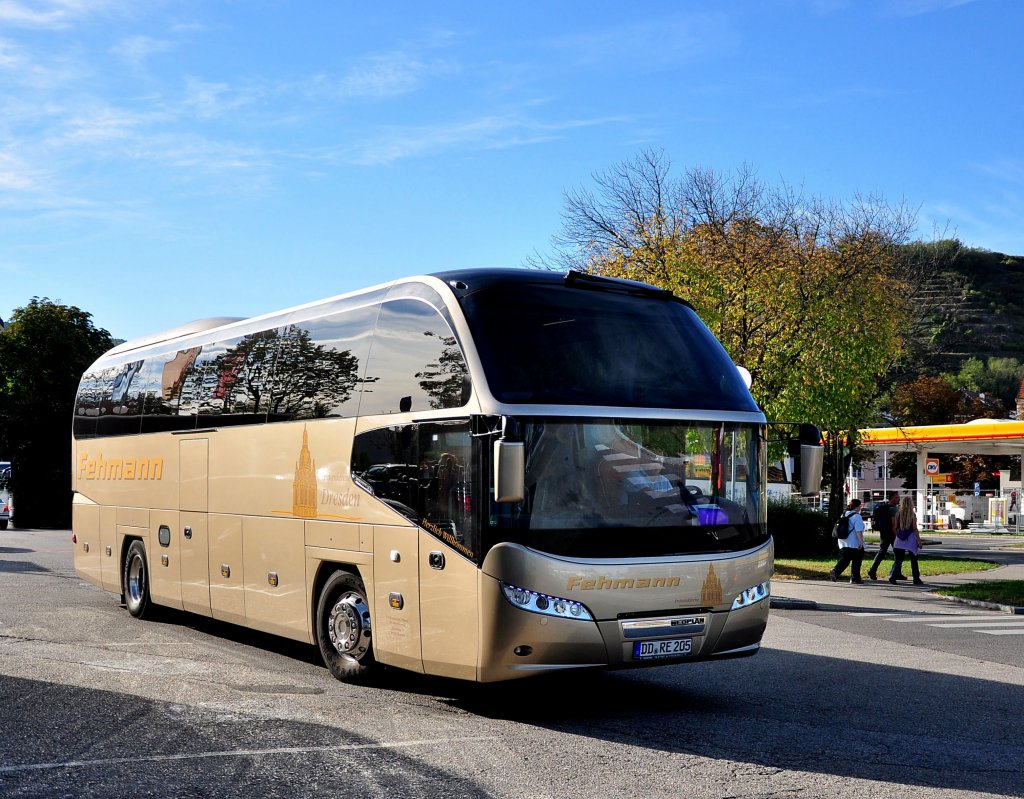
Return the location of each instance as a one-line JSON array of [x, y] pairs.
[[673, 647]]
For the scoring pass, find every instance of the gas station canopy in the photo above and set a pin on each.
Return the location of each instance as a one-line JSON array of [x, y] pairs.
[[980, 437]]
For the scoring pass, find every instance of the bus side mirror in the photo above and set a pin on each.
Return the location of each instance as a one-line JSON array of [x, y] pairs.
[[812, 458], [509, 471]]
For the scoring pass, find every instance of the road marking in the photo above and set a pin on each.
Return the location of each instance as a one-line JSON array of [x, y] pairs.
[[947, 617], [282, 750], [979, 624]]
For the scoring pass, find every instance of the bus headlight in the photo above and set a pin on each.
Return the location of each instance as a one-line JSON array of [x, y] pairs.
[[752, 596], [546, 605]]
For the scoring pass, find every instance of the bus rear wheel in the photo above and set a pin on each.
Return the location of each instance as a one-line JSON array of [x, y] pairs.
[[343, 628], [135, 580]]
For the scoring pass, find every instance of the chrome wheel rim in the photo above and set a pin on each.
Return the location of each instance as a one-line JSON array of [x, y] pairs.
[[136, 581], [348, 626]]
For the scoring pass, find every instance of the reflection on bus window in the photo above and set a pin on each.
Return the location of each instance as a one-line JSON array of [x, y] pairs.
[[425, 473], [669, 488]]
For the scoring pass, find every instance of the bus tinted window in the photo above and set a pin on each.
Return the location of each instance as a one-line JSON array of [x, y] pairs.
[[121, 403], [572, 346], [162, 379], [319, 365], [426, 473], [232, 380], [415, 363]]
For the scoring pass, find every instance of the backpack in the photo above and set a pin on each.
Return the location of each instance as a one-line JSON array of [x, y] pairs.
[[841, 529], [881, 519]]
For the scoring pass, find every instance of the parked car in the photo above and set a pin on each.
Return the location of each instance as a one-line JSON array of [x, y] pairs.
[[5, 497]]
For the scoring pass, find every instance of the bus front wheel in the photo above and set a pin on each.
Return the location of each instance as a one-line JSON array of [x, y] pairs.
[[343, 627], [136, 580]]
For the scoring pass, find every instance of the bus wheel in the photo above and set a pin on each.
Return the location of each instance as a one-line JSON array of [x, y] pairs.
[[343, 627], [136, 580]]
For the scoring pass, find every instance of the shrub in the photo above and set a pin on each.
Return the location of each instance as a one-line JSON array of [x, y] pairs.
[[798, 529]]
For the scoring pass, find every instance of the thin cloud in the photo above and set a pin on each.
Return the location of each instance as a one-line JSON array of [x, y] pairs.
[[491, 132], [385, 75], [51, 14], [136, 50], [652, 42], [914, 8]]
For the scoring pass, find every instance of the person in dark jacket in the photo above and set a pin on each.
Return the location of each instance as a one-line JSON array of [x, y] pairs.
[[883, 521]]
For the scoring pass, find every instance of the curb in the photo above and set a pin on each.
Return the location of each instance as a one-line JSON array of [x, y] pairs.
[[785, 603], [978, 603]]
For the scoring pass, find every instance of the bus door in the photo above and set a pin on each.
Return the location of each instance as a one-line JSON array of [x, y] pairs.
[[192, 530], [449, 610], [396, 630]]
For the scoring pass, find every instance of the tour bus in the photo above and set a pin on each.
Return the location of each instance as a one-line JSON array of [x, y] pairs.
[[481, 474]]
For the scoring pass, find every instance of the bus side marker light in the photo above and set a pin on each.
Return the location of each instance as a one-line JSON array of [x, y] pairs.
[[396, 601], [85, 546], [272, 579], [166, 561], [225, 570], [523, 651]]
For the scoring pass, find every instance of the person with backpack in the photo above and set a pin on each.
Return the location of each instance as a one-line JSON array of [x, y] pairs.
[[908, 540], [849, 532], [883, 521]]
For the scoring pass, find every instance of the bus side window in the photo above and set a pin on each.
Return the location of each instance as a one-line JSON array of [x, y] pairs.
[[120, 402], [319, 366], [87, 405], [414, 357], [425, 472]]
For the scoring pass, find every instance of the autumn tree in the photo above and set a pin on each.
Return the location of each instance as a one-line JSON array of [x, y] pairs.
[[44, 351], [811, 296]]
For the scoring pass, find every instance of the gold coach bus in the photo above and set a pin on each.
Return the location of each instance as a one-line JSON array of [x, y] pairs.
[[480, 474]]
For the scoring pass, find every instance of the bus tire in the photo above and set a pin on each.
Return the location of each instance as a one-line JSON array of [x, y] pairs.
[[343, 627], [136, 580]]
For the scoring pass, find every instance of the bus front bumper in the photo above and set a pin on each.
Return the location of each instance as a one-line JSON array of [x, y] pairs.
[[521, 643]]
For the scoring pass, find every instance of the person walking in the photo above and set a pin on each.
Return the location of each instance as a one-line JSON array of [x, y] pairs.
[[851, 548], [908, 541], [883, 521]]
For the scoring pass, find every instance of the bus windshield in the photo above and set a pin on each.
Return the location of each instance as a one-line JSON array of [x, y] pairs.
[[570, 346], [621, 488]]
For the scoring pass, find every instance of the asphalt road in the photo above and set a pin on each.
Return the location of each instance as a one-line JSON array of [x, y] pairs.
[[96, 704]]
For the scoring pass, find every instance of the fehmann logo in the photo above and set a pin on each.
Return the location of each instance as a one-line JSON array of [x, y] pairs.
[[605, 583], [119, 468]]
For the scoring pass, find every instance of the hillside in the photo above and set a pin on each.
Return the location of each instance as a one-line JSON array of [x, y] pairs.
[[973, 307]]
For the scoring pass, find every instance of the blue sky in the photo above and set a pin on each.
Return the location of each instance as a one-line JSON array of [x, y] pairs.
[[168, 160]]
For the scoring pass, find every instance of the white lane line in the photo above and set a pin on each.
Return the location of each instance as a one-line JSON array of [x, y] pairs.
[[947, 617], [284, 750], [979, 624], [1003, 632]]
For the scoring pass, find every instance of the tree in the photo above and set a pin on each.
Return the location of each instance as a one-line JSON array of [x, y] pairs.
[[996, 378], [812, 297], [44, 351]]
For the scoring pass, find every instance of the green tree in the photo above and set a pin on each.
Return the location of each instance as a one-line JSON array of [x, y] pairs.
[[997, 378], [813, 297], [43, 351]]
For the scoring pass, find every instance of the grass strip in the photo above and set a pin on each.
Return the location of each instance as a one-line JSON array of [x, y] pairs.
[[816, 567], [1003, 592]]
